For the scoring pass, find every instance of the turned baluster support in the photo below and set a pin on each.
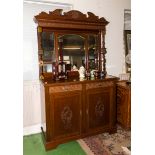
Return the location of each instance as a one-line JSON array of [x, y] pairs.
[[102, 65]]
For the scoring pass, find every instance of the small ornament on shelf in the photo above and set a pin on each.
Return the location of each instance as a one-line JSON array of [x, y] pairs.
[[61, 64], [82, 72], [88, 74], [96, 73], [62, 70], [74, 68]]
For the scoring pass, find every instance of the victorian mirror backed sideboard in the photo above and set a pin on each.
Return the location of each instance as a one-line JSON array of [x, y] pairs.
[[78, 97]]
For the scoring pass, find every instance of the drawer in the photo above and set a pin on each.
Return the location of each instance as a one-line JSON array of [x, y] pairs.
[[99, 85], [66, 88]]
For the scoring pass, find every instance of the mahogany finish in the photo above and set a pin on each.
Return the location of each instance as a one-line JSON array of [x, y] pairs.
[[76, 109], [124, 104], [73, 108], [72, 22]]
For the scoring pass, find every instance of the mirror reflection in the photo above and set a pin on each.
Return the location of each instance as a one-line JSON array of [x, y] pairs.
[[47, 40], [72, 50], [92, 51]]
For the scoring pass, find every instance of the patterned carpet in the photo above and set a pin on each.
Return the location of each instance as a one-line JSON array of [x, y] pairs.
[[106, 144]]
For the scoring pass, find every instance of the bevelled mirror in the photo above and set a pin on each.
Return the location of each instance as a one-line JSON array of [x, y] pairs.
[[47, 43], [69, 41], [92, 52], [71, 49]]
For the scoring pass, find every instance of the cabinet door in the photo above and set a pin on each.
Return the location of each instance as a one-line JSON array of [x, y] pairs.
[[98, 108], [65, 113]]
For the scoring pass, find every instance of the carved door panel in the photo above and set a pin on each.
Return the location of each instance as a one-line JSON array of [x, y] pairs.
[[66, 114], [98, 109]]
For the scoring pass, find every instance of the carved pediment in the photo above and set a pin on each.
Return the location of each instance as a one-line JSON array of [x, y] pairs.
[[72, 15], [91, 16], [57, 12]]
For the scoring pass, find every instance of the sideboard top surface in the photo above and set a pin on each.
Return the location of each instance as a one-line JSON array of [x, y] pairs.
[[48, 82]]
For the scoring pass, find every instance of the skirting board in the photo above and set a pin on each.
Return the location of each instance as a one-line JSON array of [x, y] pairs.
[[32, 129]]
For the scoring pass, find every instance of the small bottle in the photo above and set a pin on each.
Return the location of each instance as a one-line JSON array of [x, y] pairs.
[[55, 71], [61, 70], [61, 64]]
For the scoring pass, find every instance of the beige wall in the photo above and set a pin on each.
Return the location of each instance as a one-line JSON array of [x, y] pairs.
[[113, 11]]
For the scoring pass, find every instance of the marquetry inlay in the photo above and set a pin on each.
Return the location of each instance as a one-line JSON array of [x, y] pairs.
[[66, 117], [99, 108], [65, 88], [99, 85]]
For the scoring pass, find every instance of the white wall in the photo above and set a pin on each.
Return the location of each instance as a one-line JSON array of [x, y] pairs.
[[30, 56], [31, 85], [112, 10]]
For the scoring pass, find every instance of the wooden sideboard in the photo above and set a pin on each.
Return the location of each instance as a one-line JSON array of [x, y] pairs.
[[76, 109], [72, 107], [124, 104]]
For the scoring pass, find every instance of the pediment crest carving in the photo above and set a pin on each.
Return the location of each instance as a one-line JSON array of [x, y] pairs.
[[74, 15]]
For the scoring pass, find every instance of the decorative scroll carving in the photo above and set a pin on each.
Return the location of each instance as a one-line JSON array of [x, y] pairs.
[[66, 117], [103, 20], [72, 15], [57, 12], [43, 14], [92, 17], [99, 108], [99, 85]]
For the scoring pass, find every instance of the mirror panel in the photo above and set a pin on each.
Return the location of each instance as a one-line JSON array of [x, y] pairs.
[[72, 50], [47, 43], [92, 51]]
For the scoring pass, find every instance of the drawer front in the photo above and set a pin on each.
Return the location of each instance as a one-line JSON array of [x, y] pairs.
[[99, 85], [57, 89]]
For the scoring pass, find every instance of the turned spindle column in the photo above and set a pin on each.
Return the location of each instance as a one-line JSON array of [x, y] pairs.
[[102, 67]]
